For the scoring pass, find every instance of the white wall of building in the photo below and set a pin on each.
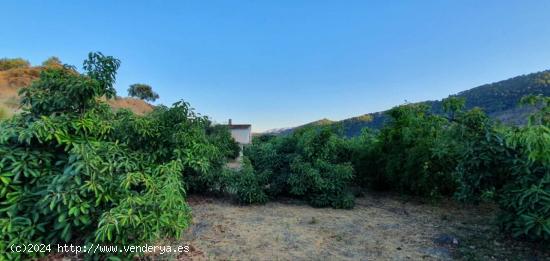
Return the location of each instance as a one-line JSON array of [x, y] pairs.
[[242, 136]]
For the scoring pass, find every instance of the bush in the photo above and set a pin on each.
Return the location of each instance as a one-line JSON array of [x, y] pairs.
[[410, 159], [525, 199], [310, 163], [221, 136], [248, 186], [464, 154], [364, 157], [323, 184], [482, 166]]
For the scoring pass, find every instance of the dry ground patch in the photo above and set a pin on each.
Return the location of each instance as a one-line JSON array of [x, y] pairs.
[[380, 227]]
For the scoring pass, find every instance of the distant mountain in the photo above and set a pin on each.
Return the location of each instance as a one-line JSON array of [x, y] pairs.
[[499, 100], [283, 131]]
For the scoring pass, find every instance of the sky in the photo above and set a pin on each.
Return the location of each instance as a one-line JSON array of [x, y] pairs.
[[284, 63]]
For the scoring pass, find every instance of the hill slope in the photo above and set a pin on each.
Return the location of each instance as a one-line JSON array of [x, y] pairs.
[[13, 79], [499, 100]]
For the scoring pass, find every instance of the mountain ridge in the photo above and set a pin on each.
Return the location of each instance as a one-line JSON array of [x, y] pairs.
[[498, 99]]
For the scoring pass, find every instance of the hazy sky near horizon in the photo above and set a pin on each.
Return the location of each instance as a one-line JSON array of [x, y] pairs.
[[285, 63]]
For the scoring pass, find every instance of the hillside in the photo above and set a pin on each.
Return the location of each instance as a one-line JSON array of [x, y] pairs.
[[13, 79], [499, 100], [283, 131]]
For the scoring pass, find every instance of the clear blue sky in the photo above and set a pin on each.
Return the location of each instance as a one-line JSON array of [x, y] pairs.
[[284, 63]]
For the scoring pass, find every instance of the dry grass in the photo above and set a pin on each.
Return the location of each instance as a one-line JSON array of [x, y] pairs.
[[135, 105], [4, 113], [381, 227]]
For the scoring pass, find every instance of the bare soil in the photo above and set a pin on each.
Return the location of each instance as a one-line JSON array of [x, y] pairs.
[[380, 227]]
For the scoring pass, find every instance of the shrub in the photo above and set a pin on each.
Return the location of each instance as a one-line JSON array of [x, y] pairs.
[[365, 159], [248, 186], [221, 136], [264, 156], [323, 184], [310, 163], [525, 199], [481, 169], [408, 162]]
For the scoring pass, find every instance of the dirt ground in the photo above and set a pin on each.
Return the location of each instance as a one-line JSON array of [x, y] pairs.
[[380, 227]]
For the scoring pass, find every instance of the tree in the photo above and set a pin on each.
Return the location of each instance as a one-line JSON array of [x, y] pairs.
[[142, 91], [52, 62], [63, 90], [453, 105]]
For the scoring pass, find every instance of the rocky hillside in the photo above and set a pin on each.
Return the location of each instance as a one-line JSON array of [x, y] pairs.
[[499, 100]]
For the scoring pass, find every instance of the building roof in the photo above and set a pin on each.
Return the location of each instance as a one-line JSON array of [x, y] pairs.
[[239, 126]]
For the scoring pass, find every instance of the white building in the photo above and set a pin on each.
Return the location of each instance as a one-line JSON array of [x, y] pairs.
[[242, 133]]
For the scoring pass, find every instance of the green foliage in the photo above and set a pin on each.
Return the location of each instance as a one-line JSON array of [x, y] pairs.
[[411, 159], [481, 168], [248, 186], [311, 164], [142, 91], [541, 117], [220, 135], [73, 170], [364, 157], [63, 90], [525, 199], [322, 183], [7, 64], [466, 155], [453, 105]]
